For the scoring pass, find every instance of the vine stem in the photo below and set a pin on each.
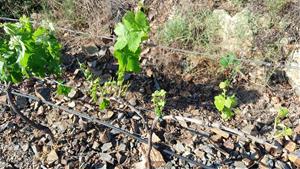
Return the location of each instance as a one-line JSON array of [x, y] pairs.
[[150, 144], [26, 119]]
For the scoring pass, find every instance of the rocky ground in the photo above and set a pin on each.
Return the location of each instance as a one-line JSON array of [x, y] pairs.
[[196, 130]]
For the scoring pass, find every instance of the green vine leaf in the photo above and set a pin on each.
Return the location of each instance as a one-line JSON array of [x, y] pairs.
[[27, 52], [219, 102], [133, 29]]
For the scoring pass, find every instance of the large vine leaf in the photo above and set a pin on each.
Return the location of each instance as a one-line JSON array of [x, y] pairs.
[[133, 29], [25, 51]]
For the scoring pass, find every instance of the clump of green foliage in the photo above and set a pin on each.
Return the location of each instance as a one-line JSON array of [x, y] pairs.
[[274, 6], [99, 92], [280, 129], [63, 89], [133, 29], [174, 30], [225, 103], [159, 101], [191, 28], [26, 51], [230, 64]]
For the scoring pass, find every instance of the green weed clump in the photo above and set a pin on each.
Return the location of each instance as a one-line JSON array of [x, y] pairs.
[[274, 6], [280, 129], [190, 29]]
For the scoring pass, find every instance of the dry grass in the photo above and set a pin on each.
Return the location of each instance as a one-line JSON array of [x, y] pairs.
[[96, 17]]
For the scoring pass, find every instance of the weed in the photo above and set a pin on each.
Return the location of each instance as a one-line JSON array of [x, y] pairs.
[[274, 6], [85, 70], [230, 64], [192, 28], [174, 30], [63, 90], [225, 103], [159, 101], [281, 130], [94, 89], [238, 3]]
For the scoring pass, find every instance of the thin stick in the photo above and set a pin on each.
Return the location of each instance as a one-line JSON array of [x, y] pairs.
[[26, 119], [150, 142]]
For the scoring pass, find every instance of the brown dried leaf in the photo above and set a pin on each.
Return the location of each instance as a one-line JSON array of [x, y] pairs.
[[157, 159]]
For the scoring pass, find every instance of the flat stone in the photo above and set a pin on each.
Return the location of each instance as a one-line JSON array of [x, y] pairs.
[[72, 104], [95, 145], [122, 147], [107, 115], [291, 146], [206, 149], [235, 31], [240, 165], [220, 132], [106, 147], [229, 144], [52, 157], [247, 161], [297, 129], [105, 137], [90, 49], [121, 158], [179, 147], [281, 165], [200, 154], [106, 157], [132, 101], [73, 94], [249, 129], [3, 99], [295, 158], [21, 102]]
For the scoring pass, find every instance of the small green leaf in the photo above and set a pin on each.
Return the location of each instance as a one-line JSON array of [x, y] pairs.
[[228, 60], [283, 112], [227, 114], [63, 90], [158, 99], [219, 102], [135, 38], [224, 85], [288, 132], [228, 103], [104, 104]]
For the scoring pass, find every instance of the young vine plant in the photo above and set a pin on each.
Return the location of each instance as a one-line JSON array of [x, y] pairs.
[[131, 32], [225, 103], [280, 129], [27, 52], [159, 101]]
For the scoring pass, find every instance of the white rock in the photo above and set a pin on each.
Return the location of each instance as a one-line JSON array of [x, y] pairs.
[[235, 31], [293, 70]]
